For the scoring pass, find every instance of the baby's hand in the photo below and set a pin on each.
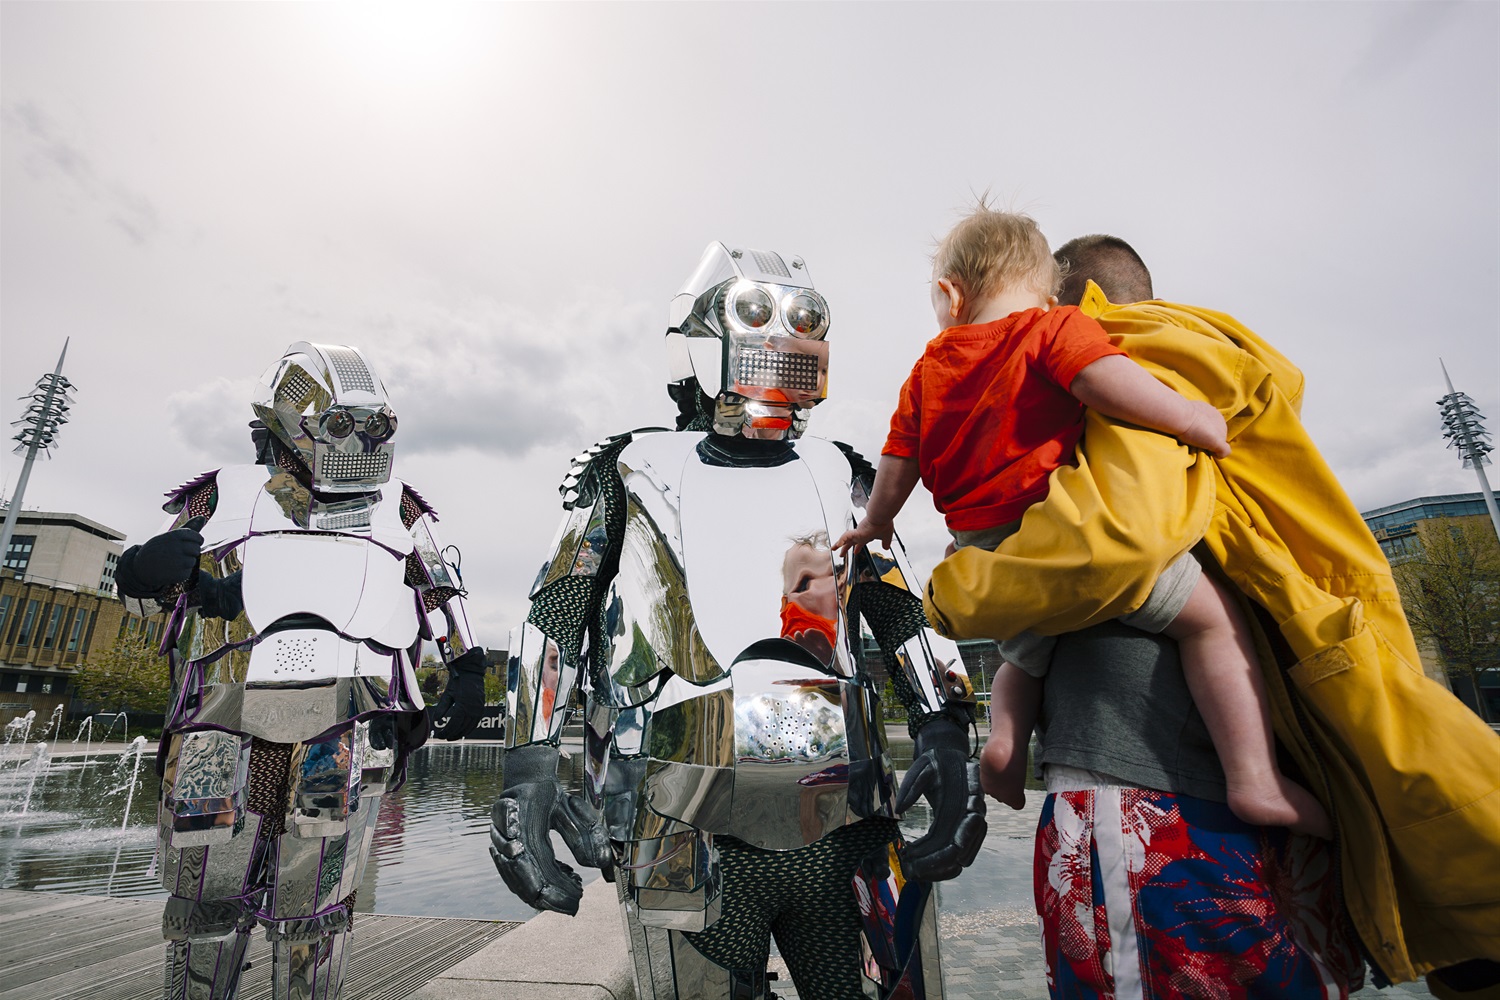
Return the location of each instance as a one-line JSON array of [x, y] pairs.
[[1205, 429], [862, 534]]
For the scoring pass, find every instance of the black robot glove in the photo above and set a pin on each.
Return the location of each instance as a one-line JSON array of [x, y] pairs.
[[219, 598], [942, 772], [532, 804], [147, 571], [462, 701]]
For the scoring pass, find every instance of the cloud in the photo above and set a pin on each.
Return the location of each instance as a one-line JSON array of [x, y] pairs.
[[212, 420], [1401, 39], [501, 380], [49, 154]]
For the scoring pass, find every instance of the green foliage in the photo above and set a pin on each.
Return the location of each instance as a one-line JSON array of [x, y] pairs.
[[1451, 595], [128, 676]]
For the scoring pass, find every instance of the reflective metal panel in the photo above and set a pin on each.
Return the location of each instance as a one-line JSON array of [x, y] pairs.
[[540, 681], [791, 782], [289, 574], [565, 547], [773, 575], [325, 787]]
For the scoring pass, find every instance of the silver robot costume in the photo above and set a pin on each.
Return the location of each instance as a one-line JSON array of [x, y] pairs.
[[731, 667], [296, 621]]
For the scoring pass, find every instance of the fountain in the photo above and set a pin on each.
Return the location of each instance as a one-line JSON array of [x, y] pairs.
[[53, 724], [39, 762], [137, 747], [85, 733], [124, 721]]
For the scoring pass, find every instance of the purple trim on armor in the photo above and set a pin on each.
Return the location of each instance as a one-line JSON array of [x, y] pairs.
[[182, 492], [425, 507], [424, 627], [339, 534], [170, 634]]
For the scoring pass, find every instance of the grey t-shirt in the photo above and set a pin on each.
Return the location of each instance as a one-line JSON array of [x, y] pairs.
[[1116, 702]]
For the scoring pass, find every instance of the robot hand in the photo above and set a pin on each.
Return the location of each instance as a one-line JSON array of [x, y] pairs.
[[532, 804], [148, 570], [462, 703], [942, 772]]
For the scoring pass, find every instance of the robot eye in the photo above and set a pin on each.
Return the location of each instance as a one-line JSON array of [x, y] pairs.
[[339, 424], [803, 313], [379, 426], [754, 308]]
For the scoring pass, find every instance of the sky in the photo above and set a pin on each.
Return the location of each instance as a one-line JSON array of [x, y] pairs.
[[496, 203]]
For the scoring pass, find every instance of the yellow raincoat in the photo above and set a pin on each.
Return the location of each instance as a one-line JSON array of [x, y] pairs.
[[1412, 775]]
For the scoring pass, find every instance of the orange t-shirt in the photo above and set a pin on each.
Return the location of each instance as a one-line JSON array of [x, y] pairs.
[[987, 415]]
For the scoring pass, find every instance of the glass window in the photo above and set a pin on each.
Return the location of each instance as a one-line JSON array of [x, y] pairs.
[[18, 552], [77, 632], [53, 623], [21, 684], [27, 621], [36, 637], [5, 603]]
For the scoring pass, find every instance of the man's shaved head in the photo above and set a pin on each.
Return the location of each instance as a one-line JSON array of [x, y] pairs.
[[1108, 262]]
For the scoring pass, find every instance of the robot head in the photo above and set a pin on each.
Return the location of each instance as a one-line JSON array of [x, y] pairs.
[[749, 326], [326, 404]]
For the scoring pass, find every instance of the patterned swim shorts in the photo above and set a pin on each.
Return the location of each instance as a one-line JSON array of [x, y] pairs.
[[1148, 895]]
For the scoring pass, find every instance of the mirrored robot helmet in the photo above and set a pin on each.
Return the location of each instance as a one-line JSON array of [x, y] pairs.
[[750, 327], [328, 407]]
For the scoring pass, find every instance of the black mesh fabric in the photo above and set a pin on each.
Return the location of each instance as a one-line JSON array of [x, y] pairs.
[[806, 899]]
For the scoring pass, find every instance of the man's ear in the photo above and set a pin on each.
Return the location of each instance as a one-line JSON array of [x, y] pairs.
[[1051, 302], [955, 297]]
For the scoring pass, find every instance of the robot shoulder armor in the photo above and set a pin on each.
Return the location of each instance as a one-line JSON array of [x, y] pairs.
[[198, 486], [581, 482], [413, 506]]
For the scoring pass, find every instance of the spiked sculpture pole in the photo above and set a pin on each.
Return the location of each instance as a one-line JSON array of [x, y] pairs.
[[1463, 426], [48, 411]]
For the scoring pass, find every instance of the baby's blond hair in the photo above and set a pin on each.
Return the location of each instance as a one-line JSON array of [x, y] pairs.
[[988, 251]]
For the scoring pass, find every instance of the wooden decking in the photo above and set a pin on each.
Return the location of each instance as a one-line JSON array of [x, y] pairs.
[[64, 947]]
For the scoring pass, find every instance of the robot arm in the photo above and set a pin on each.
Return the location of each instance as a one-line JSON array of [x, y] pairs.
[[152, 575], [930, 680], [438, 583], [542, 676]]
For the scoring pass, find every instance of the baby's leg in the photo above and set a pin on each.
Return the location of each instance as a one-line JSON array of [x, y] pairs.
[[1015, 700], [1219, 662]]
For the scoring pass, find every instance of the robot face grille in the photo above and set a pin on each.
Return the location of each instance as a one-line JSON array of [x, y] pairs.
[[778, 369], [350, 369], [770, 263], [342, 466]]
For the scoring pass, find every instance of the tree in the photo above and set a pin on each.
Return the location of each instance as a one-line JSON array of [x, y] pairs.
[[127, 676], [1451, 595]]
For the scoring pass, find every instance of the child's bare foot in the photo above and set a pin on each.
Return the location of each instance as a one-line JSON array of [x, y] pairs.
[[1274, 800], [1002, 772]]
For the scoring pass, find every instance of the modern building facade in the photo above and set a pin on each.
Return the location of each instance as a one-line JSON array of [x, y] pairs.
[[57, 604]]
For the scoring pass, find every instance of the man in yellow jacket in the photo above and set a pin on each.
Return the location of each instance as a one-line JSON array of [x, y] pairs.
[[1411, 775]]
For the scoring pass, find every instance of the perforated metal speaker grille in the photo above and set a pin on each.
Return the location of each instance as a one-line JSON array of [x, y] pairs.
[[295, 388], [294, 654], [351, 370], [336, 466], [769, 263], [778, 369], [354, 519]]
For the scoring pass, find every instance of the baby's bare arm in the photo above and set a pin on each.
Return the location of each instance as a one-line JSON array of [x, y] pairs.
[[895, 478], [1118, 387]]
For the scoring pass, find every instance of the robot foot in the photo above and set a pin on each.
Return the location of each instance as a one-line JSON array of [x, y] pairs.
[[307, 957], [206, 944]]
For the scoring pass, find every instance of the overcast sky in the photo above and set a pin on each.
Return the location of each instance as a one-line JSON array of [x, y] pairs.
[[497, 202]]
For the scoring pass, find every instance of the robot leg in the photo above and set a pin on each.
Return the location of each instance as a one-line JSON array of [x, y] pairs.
[[669, 967], [210, 851], [307, 956], [317, 865], [858, 926]]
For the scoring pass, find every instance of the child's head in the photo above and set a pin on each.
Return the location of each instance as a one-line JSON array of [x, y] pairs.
[[987, 256]]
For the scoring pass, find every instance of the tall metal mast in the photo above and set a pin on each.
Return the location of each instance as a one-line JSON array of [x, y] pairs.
[[50, 401], [1463, 426]]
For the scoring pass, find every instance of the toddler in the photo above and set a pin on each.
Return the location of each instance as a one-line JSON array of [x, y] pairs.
[[996, 403]]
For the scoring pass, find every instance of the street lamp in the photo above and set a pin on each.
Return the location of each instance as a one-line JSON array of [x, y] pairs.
[[46, 412], [1463, 426]]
